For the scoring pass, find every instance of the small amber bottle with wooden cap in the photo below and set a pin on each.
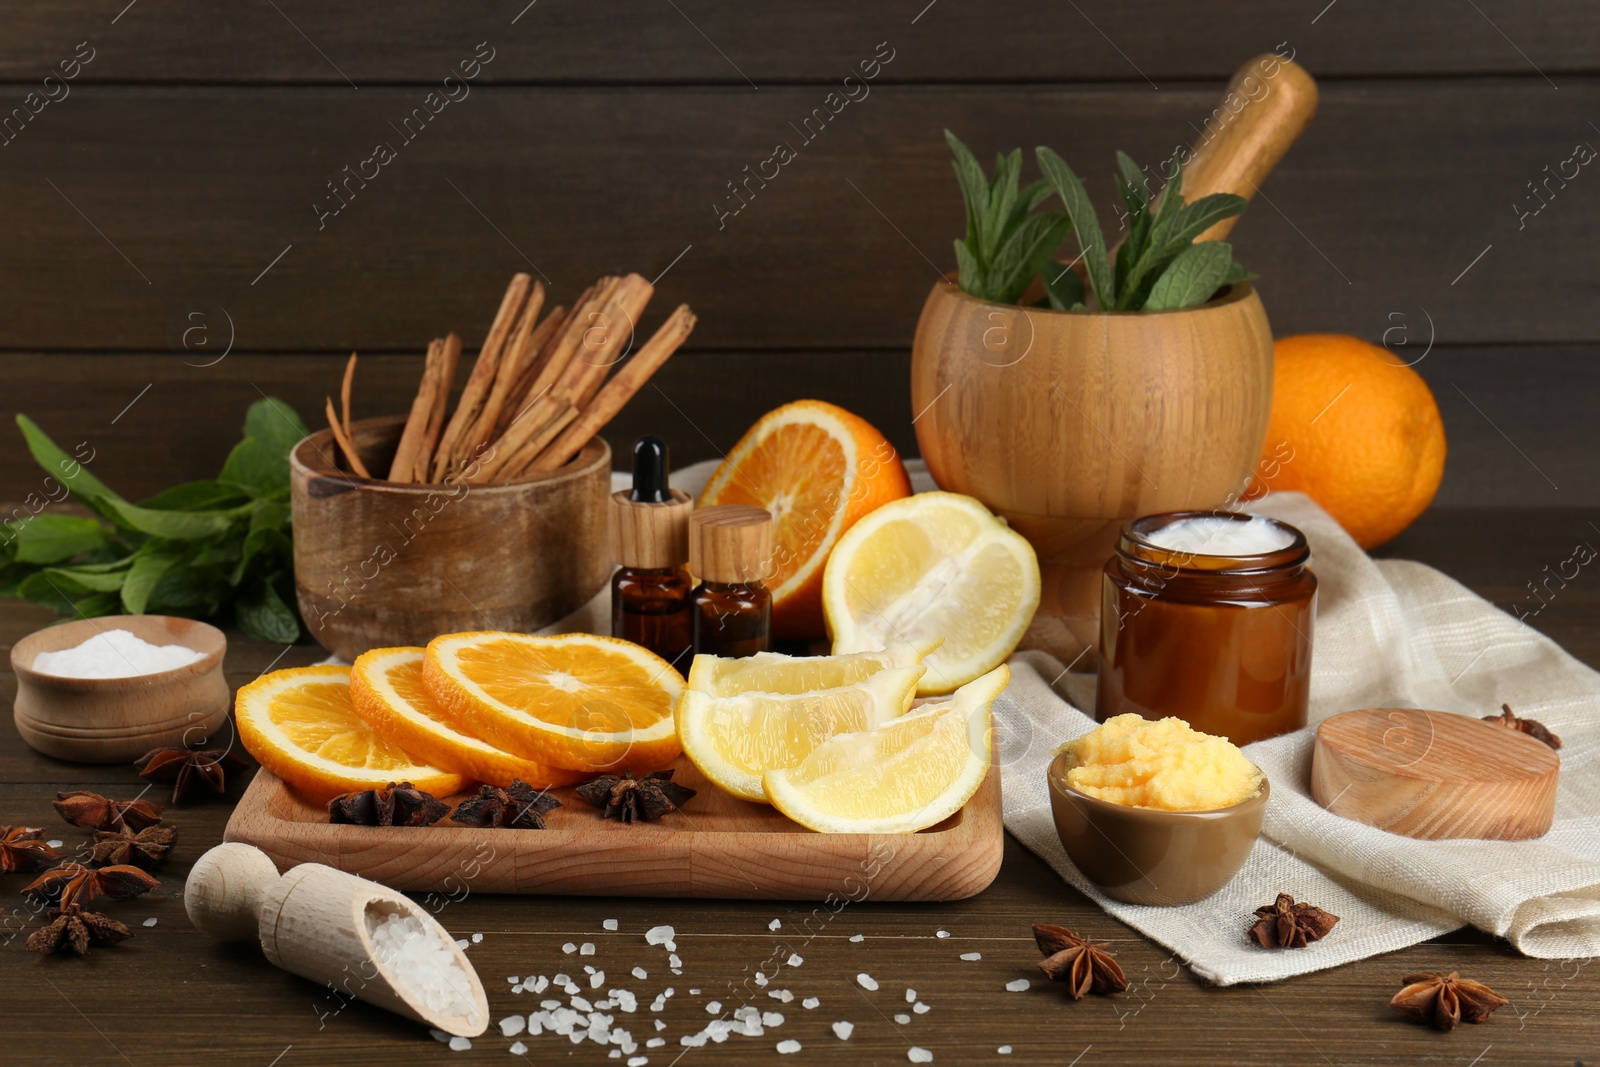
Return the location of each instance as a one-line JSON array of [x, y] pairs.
[[650, 542], [730, 551]]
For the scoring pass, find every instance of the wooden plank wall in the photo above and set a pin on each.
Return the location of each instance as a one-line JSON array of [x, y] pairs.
[[170, 200]]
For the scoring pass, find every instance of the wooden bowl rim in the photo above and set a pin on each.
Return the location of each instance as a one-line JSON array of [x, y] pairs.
[[1237, 293], [597, 453], [213, 644], [1058, 783]]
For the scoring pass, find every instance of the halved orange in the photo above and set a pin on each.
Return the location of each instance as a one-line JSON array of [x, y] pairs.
[[818, 469], [576, 701], [387, 690], [300, 725]]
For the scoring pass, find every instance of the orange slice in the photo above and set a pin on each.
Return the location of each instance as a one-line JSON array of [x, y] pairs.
[[575, 701], [300, 725], [387, 691], [818, 469]]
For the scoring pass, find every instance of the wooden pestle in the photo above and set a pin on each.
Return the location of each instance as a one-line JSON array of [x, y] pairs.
[[312, 921], [1267, 105]]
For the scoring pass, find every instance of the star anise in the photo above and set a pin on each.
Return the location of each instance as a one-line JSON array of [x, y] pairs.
[[1285, 924], [1445, 999], [1084, 965], [23, 848], [633, 799], [193, 773], [519, 806], [94, 812], [145, 850], [393, 805], [1532, 727], [72, 927], [73, 883]]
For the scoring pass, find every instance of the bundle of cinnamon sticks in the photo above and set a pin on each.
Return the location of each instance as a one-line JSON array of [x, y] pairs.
[[538, 392]]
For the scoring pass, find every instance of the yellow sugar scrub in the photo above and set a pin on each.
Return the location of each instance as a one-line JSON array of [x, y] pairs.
[[1164, 764]]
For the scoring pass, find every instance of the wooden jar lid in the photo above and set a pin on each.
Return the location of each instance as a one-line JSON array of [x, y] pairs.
[[730, 543], [1433, 774], [650, 536]]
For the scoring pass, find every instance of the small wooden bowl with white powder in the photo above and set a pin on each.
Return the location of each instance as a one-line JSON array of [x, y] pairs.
[[110, 689]]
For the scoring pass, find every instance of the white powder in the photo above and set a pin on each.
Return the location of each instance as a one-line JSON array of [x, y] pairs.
[[114, 654], [416, 959], [1215, 535]]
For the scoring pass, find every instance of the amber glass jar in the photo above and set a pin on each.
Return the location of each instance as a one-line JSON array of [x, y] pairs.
[[650, 607], [1221, 641]]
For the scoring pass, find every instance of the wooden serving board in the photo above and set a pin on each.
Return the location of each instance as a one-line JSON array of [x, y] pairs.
[[1434, 775], [718, 846]]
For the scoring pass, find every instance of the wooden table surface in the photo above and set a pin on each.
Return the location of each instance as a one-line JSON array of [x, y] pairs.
[[170, 996]]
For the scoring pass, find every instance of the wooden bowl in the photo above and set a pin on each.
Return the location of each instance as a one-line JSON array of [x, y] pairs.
[[1069, 424], [1149, 856], [378, 564], [117, 720]]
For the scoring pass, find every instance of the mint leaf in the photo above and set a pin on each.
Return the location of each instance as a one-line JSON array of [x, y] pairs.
[[54, 538], [196, 496], [256, 466], [1019, 260], [142, 579], [276, 424], [1194, 275], [263, 615], [85, 487], [1063, 286], [1085, 223]]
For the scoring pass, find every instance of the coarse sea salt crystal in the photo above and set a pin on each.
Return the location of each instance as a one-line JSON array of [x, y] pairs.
[[866, 981], [586, 949], [775, 924], [919, 1055], [785, 1048], [761, 979], [941, 933], [597, 979], [512, 1025], [843, 1030], [569, 948], [771, 1018], [920, 1008], [659, 935], [810, 1002], [151, 921], [1016, 985], [415, 958], [858, 938], [655, 1042], [640, 973], [972, 955], [55, 842], [114, 654], [902, 1018], [714, 1007], [911, 996], [795, 959], [477, 939], [609, 924], [518, 1048], [460, 1044], [1004, 1050], [462, 943], [638, 1061], [780, 994]]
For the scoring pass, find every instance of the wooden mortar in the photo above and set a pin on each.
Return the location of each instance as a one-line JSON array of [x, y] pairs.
[[379, 563], [1070, 423]]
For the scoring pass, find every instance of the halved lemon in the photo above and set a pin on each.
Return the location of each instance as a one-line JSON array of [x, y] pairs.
[[907, 775], [734, 739], [818, 469], [386, 690], [929, 566], [300, 725], [772, 672], [575, 701]]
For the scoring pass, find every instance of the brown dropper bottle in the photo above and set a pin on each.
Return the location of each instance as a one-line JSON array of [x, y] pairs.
[[650, 542], [730, 550]]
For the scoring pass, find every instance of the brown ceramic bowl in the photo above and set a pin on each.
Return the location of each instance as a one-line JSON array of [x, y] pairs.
[[115, 720], [1146, 856]]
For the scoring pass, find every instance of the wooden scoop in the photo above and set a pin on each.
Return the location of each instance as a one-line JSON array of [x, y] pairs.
[[1266, 106], [314, 922]]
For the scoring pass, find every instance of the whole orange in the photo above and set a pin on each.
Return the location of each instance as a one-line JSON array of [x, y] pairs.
[[818, 469], [1357, 430]]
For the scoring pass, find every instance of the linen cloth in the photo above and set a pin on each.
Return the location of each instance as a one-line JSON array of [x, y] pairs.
[[1388, 633]]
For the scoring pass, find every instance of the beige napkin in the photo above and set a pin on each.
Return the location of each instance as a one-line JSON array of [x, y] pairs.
[[1388, 634]]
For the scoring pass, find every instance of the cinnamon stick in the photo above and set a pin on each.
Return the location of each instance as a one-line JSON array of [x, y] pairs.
[[476, 390], [449, 359], [403, 467], [518, 397], [521, 462], [605, 340], [344, 391], [619, 390], [565, 346], [513, 356], [343, 440]]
